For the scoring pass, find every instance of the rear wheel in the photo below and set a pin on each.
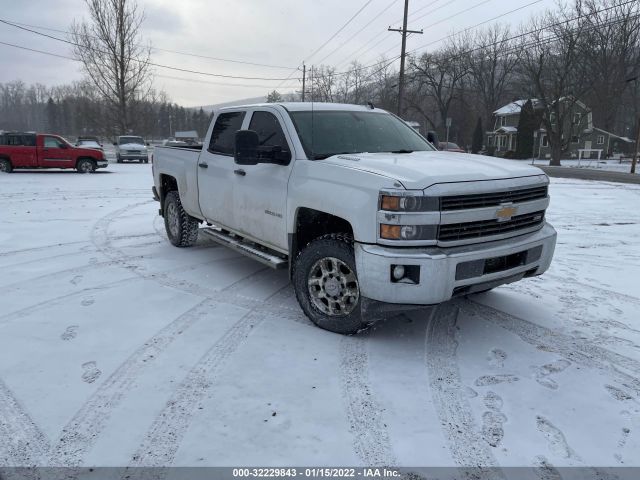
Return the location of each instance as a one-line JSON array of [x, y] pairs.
[[182, 229], [86, 166], [118, 159], [326, 284], [5, 166]]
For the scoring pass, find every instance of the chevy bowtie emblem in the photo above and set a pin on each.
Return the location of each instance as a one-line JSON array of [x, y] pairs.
[[505, 213]]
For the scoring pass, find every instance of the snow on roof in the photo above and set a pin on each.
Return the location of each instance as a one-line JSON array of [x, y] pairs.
[[507, 129], [515, 107]]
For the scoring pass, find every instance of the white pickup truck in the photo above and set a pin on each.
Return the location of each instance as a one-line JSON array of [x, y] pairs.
[[367, 215]]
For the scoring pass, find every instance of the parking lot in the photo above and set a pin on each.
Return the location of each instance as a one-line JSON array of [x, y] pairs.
[[118, 349]]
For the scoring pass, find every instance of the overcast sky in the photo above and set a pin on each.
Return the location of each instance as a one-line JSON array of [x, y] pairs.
[[273, 32]]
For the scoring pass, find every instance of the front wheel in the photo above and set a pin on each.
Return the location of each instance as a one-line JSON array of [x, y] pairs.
[[5, 166], [86, 166], [326, 284], [182, 228]]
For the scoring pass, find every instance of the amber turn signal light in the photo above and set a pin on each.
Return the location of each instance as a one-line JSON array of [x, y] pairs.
[[390, 232], [390, 203]]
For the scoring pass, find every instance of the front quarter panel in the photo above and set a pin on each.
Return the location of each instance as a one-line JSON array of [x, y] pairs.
[[347, 193]]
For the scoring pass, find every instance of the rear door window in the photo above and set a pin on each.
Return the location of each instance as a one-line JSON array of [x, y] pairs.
[[224, 132]]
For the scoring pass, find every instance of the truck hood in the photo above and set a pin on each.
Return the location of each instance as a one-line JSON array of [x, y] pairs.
[[132, 146], [419, 170]]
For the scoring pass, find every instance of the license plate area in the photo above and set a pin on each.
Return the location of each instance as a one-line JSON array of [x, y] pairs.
[[486, 266]]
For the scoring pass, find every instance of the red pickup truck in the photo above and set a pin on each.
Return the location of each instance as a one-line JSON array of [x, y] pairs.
[[30, 150]]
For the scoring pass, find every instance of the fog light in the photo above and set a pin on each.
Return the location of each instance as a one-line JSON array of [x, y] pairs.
[[398, 272]]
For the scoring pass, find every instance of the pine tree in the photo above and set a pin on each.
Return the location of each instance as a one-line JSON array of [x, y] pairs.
[[478, 137], [527, 124]]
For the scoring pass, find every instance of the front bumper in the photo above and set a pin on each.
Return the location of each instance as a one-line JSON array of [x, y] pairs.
[[440, 276], [102, 164], [133, 157]]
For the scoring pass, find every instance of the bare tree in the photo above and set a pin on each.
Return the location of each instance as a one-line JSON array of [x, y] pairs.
[[109, 46], [439, 76], [555, 71], [492, 61], [611, 51]]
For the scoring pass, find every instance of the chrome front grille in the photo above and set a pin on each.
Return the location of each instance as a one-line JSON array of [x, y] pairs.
[[493, 199], [486, 228]]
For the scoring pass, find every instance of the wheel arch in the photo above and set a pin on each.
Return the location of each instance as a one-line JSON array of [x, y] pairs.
[[310, 224], [168, 183], [85, 157]]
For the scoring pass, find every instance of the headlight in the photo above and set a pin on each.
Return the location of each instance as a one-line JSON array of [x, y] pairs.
[[408, 203], [408, 232]]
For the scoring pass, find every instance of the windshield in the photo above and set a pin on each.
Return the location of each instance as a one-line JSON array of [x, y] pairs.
[[134, 140], [336, 132]]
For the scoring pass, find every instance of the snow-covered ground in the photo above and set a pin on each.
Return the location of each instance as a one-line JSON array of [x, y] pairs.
[[118, 349], [608, 165]]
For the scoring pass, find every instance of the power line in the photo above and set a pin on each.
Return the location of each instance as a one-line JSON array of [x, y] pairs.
[[339, 30], [449, 18], [38, 51], [359, 31], [545, 27], [222, 84], [188, 54], [325, 43], [51, 54], [361, 53], [169, 67]]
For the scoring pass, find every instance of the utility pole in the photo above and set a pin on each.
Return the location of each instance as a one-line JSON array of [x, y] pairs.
[[635, 152], [403, 53], [304, 79], [637, 149]]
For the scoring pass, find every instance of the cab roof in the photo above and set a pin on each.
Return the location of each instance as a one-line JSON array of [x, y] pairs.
[[309, 106]]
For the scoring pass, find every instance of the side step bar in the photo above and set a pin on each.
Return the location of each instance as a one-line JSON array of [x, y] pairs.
[[272, 260]]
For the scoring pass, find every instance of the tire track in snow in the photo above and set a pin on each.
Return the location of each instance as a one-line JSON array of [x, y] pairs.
[[43, 247], [102, 241], [26, 311], [466, 444], [610, 293], [22, 443], [371, 440], [83, 429], [573, 349], [162, 440], [81, 432]]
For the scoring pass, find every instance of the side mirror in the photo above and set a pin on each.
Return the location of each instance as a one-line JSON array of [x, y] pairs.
[[148, 144], [64, 146], [246, 147], [432, 138], [115, 144]]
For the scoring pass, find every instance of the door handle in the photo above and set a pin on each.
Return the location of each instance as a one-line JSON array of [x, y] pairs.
[[240, 172], [203, 165]]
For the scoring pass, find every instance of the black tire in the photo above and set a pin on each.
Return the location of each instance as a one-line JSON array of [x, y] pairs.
[[325, 311], [118, 159], [86, 166], [5, 166], [182, 229], [146, 161]]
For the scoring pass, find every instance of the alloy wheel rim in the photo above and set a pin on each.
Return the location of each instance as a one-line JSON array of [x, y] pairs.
[[333, 287]]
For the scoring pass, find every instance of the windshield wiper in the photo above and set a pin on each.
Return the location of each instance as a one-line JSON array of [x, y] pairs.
[[402, 151]]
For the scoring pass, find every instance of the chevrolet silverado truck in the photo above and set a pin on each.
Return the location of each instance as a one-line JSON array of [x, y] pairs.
[[30, 150], [366, 214], [129, 147]]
